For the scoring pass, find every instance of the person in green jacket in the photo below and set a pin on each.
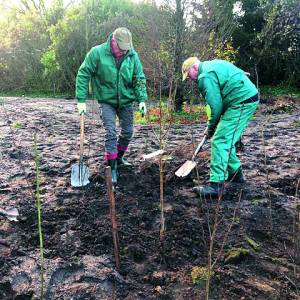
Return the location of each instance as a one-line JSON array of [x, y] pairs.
[[231, 100], [117, 80]]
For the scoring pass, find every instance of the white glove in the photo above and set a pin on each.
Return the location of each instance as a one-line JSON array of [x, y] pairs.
[[142, 108], [81, 108]]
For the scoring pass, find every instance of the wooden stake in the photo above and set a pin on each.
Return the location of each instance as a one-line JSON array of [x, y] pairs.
[[112, 210]]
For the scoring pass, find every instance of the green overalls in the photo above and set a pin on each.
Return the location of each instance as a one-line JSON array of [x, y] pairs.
[[232, 99]]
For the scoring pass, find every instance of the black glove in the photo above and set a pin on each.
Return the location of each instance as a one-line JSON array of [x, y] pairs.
[[210, 132]]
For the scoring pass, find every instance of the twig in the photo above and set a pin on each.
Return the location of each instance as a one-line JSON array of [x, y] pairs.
[[228, 231], [161, 171], [267, 178], [296, 229], [291, 282], [38, 204], [216, 216], [211, 246]]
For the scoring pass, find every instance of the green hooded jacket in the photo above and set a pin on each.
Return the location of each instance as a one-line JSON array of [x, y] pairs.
[[118, 85], [222, 84]]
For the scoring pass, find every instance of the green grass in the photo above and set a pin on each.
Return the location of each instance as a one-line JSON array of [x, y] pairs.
[[16, 125], [296, 124], [189, 115], [200, 275], [280, 90]]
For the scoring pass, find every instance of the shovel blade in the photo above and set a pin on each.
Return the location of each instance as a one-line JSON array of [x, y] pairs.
[[80, 175], [11, 214], [152, 154], [186, 168]]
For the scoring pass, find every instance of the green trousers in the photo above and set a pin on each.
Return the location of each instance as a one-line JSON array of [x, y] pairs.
[[229, 129]]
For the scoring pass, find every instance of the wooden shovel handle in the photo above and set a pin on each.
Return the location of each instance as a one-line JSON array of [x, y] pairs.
[[81, 137], [200, 145]]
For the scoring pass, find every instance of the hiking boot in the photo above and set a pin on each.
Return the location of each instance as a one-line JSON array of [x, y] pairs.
[[236, 177], [114, 170], [212, 189], [123, 161]]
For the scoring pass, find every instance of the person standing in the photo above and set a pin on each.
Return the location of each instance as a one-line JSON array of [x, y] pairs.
[[117, 80], [231, 100]]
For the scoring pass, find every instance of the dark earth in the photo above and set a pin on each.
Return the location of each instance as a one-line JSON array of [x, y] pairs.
[[256, 246]]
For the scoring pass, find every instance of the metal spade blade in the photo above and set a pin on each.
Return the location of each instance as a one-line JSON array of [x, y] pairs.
[[80, 175], [186, 168], [189, 165], [11, 214]]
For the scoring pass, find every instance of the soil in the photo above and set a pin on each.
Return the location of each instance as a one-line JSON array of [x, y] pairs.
[[256, 245]]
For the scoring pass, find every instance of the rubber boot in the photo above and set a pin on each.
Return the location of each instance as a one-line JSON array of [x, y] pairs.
[[121, 160], [236, 177], [211, 190], [114, 170]]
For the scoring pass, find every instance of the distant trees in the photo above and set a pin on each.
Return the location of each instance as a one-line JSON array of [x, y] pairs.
[[43, 46], [23, 38], [268, 35]]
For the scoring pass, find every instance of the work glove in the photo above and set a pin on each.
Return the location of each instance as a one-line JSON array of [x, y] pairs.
[[81, 108], [142, 108]]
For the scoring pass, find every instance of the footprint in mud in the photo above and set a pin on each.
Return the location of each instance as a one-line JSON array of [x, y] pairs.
[[6, 291], [136, 252], [89, 277], [287, 185], [61, 276]]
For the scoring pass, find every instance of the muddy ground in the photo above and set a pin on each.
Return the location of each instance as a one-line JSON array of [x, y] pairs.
[[257, 220]]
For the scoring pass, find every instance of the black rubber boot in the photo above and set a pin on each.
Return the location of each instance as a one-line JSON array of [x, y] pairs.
[[212, 189], [114, 170], [236, 177], [121, 160]]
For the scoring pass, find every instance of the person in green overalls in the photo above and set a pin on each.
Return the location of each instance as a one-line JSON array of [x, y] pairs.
[[231, 100]]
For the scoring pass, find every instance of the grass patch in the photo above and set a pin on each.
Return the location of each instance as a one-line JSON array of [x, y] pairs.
[[191, 114], [199, 275], [296, 124], [235, 254], [252, 243], [16, 125], [280, 90]]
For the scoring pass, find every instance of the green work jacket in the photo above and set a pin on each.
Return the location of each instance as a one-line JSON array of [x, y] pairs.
[[222, 84], [118, 84]]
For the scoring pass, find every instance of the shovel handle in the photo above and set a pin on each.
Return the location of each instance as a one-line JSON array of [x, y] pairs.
[[200, 145], [81, 137]]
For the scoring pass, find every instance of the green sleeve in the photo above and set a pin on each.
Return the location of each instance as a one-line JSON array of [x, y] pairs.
[[139, 81], [211, 92], [85, 72]]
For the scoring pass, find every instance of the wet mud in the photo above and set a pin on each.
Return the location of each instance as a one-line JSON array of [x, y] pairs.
[[256, 245]]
